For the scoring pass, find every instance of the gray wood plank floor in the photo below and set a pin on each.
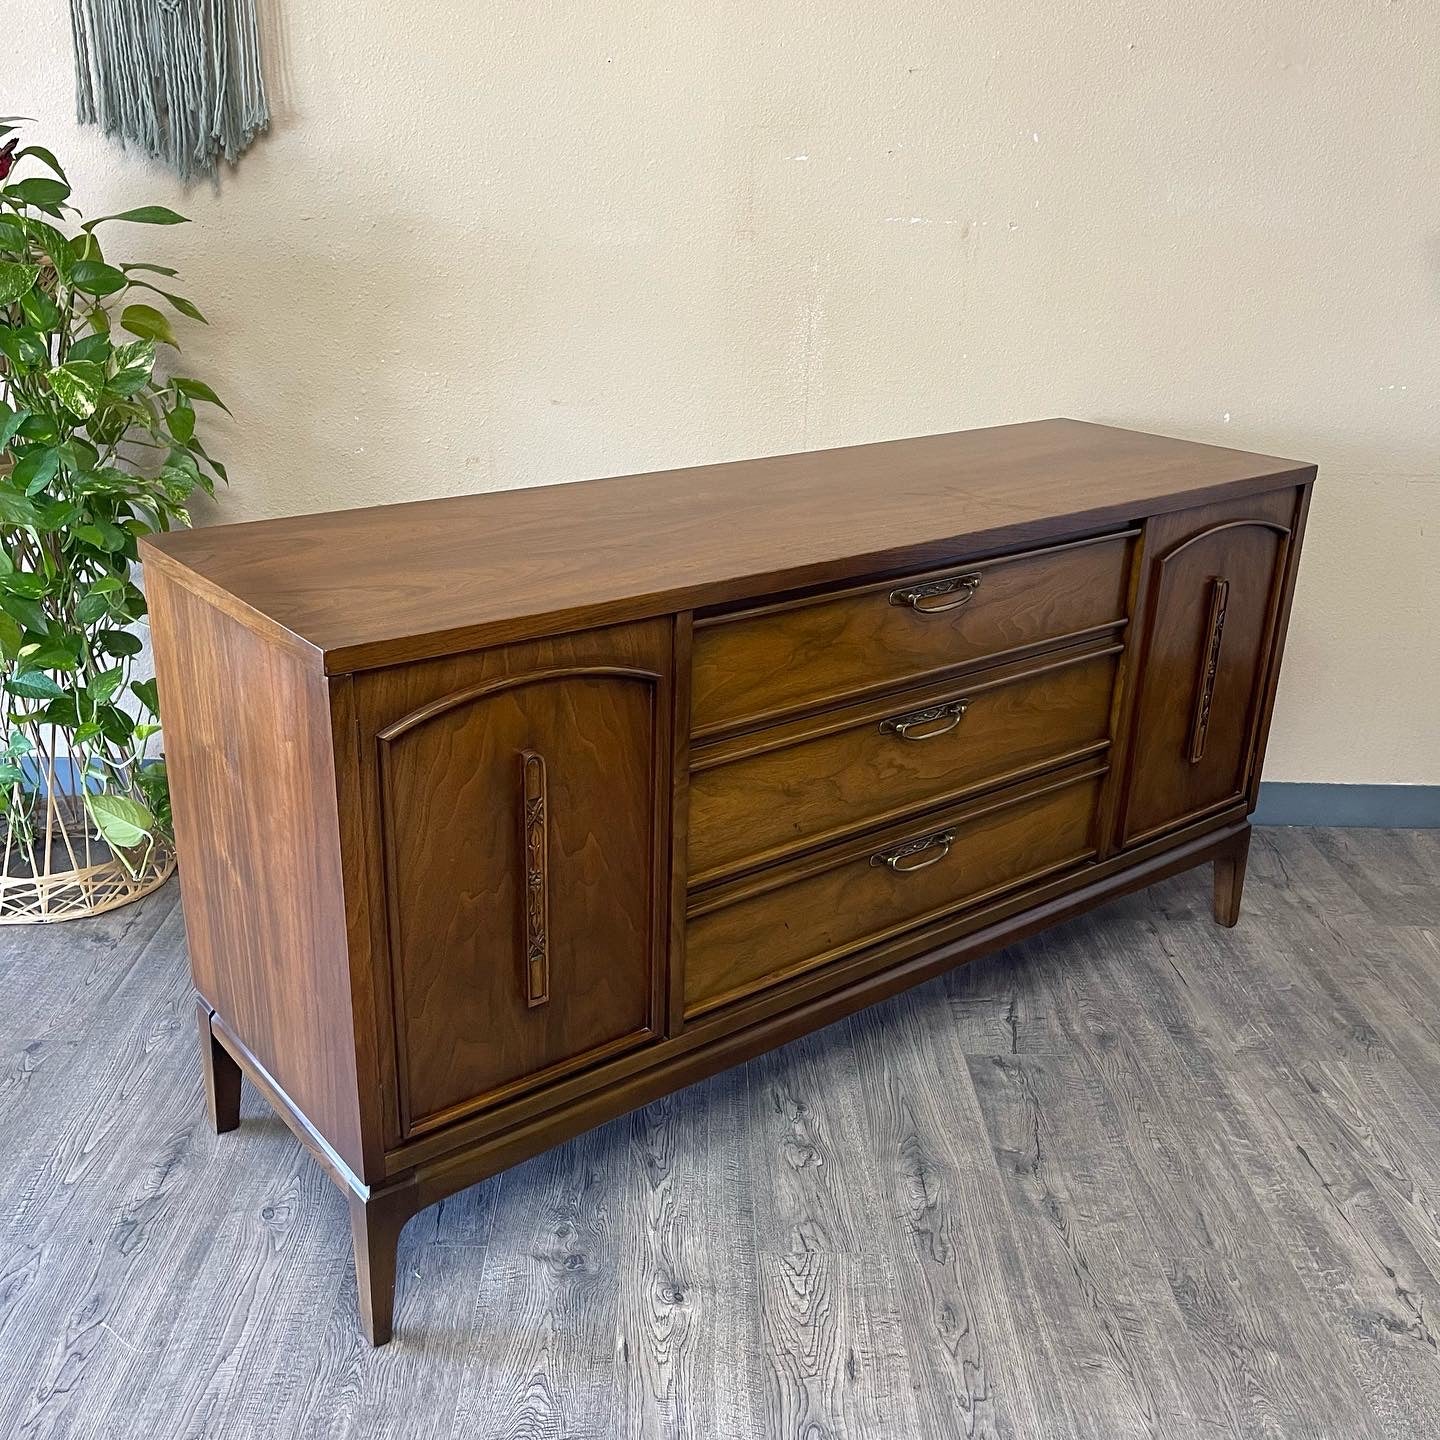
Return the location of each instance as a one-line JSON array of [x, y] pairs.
[[1138, 1176]]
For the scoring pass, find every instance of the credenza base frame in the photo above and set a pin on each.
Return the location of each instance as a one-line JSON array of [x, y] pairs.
[[379, 1213]]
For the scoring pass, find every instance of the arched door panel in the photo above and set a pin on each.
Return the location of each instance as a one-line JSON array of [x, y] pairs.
[[1215, 578], [518, 819]]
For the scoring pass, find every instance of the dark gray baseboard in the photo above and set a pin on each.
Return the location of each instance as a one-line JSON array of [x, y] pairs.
[[1404, 807]]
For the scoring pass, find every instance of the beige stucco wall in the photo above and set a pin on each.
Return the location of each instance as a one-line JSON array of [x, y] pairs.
[[510, 243]]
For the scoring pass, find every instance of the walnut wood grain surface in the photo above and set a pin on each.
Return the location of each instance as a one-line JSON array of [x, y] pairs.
[[253, 786], [780, 659], [366, 587], [837, 901], [1203, 656], [759, 797], [1136, 1177], [450, 742]]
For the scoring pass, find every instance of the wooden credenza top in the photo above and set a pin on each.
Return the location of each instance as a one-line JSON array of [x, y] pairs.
[[356, 589]]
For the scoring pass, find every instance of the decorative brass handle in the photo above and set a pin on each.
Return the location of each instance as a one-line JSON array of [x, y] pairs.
[[535, 842], [950, 714], [916, 596], [895, 859]]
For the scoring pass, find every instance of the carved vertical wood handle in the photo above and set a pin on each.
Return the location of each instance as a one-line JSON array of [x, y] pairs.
[[1205, 691], [535, 842]]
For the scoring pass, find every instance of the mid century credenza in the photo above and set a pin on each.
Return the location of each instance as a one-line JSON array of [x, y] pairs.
[[501, 815]]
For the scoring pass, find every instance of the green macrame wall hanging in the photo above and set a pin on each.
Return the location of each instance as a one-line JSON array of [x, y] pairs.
[[179, 78]]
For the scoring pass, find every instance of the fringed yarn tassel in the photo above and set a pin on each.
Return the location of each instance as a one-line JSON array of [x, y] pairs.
[[181, 79]]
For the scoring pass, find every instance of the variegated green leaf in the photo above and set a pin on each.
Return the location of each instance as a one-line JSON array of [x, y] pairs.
[[78, 385], [16, 279]]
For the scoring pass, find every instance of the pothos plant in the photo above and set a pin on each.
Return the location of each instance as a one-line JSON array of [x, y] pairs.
[[99, 444]]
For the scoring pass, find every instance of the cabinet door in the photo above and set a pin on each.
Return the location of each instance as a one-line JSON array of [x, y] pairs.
[[522, 798], [1215, 580]]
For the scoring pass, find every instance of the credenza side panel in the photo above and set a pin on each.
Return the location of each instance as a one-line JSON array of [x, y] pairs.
[[1277, 649], [248, 744]]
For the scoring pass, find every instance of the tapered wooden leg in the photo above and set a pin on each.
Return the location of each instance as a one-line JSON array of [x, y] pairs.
[[222, 1076], [1230, 879], [375, 1227]]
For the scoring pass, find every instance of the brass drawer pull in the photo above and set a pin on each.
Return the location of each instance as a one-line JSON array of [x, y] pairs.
[[905, 726], [916, 595], [940, 842]]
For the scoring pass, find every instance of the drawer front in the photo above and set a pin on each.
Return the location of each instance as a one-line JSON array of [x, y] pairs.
[[762, 664], [858, 895], [759, 797]]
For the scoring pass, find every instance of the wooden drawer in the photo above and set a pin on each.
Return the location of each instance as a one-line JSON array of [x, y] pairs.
[[758, 932], [757, 798], [761, 664]]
